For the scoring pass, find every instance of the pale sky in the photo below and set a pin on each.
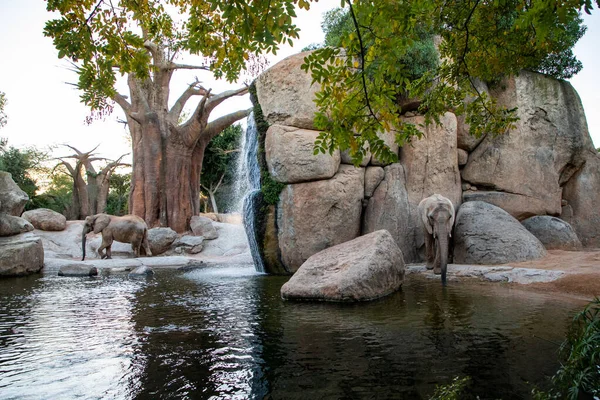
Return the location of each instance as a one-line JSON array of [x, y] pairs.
[[43, 110]]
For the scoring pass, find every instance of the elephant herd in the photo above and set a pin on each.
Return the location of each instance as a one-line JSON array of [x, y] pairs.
[[437, 214]]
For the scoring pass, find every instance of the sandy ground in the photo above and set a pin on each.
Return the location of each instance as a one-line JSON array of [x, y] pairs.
[[582, 278]]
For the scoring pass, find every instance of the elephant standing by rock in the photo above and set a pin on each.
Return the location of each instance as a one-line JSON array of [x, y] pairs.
[[437, 213], [127, 229]]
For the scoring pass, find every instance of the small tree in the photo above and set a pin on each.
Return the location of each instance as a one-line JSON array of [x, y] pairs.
[[3, 117], [220, 156], [90, 186], [118, 194]]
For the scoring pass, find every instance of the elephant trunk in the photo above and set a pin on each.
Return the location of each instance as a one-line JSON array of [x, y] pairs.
[[442, 250], [83, 237]]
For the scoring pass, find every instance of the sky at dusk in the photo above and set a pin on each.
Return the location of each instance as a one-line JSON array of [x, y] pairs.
[[43, 109]]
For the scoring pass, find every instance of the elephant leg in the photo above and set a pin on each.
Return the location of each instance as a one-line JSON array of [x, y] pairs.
[[106, 244], [429, 250], [136, 246]]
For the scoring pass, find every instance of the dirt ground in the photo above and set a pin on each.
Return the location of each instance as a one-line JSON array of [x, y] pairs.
[[582, 278]]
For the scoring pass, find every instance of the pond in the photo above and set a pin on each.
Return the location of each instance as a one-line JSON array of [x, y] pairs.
[[225, 333]]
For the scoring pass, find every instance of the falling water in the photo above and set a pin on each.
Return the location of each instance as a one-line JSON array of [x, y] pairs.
[[249, 173]]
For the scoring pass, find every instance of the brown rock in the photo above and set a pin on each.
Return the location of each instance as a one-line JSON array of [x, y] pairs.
[[45, 219], [389, 208], [12, 198], [286, 93], [519, 206], [291, 159], [464, 139], [582, 193], [21, 255], [463, 157], [544, 150], [366, 268], [313, 216], [373, 177], [203, 226]]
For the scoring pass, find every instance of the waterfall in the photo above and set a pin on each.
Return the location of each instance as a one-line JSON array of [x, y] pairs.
[[249, 175]]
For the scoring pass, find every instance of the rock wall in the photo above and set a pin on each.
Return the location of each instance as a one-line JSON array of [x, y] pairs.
[[546, 166]]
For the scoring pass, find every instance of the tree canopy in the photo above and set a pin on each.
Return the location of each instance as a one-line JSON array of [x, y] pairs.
[[479, 41]]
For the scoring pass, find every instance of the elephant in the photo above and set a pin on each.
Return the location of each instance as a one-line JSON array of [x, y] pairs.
[[437, 214], [127, 229]]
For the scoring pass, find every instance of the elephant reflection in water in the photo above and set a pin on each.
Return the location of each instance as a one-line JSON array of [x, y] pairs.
[[437, 214]]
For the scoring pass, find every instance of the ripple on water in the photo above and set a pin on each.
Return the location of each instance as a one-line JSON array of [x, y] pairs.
[[226, 333]]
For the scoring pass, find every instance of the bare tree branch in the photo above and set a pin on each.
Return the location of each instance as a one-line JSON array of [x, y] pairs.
[[218, 125], [187, 66], [221, 97], [194, 89], [122, 101]]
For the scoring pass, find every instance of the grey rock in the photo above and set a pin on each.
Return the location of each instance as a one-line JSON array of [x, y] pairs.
[[164, 262], [517, 205], [21, 255], [290, 156], [12, 198], [366, 268], [189, 244], [232, 241], [203, 226], [286, 93], [77, 269], [486, 234], [141, 272], [313, 216], [347, 159], [45, 219], [554, 233], [11, 225], [160, 239]]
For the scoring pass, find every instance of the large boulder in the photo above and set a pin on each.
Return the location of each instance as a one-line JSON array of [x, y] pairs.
[[12, 198], [313, 216], [45, 219], [524, 169], [160, 239], [373, 177], [286, 93], [21, 255], [11, 225], [188, 244], [486, 234], [290, 156], [203, 226], [554, 233], [582, 194], [366, 268]]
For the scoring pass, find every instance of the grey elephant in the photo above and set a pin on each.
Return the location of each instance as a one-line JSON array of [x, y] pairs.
[[127, 229], [437, 214]]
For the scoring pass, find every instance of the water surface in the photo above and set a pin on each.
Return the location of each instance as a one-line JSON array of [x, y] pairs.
[[225, 333]]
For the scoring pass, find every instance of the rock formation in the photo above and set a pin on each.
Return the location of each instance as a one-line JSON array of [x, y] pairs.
[[12, 198], [554, 233], [365, 268], [546, 166]]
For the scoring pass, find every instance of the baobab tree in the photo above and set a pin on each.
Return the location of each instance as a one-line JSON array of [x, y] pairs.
[[90, 193], [142, 40]]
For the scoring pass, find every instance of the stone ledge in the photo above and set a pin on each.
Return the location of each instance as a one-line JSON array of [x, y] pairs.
[[496, 273]]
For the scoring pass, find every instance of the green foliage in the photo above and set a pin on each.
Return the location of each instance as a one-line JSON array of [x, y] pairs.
[[23, 164], [98, 36], [117, 202], [3, 117], [579, 373], [59, 193], [270, 188], [220, 156], [480, 41], [452, 391]]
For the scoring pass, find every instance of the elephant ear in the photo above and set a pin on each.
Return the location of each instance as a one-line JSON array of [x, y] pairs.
[[423, 210], [451, 220], [101, 222]]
